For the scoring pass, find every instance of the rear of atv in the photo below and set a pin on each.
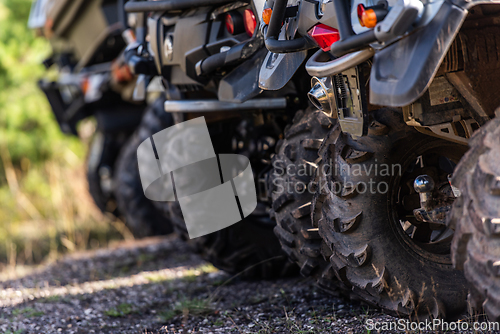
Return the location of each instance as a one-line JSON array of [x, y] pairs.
[[93, 80], [394, 207]]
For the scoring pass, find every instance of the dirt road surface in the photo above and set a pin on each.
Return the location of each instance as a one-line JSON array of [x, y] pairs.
[[158, 286]]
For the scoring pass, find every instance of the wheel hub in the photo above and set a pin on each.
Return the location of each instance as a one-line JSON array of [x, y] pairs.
[[434, 205]]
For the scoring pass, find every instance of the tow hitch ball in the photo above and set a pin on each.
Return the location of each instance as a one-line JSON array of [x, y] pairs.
[[430, 211]]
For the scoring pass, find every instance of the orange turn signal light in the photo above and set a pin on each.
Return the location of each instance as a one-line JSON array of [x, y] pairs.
[[369, 19], [121, 73], [85, 85], [266, 15], [47, 29]]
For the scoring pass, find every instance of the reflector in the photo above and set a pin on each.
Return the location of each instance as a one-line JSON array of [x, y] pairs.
[[250, 22], [229, 24], [361, 10], [324, 36]]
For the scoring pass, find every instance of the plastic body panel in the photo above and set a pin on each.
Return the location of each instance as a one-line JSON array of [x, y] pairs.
[[89, 29], [308, 16], [242, 83], [194, 37], [403, 71], [111, 112]]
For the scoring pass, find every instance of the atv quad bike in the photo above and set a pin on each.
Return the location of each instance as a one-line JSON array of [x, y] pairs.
[[208, 56], [394, 198], [86, 39]]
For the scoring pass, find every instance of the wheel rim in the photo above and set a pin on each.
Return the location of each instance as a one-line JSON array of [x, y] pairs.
[[438, 160]]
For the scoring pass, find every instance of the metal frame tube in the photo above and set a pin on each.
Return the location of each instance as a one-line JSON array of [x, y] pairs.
[[277, 17], [343, 18], [161, 6], [271, 36], [319, 69], [353, 43], [216, 105]]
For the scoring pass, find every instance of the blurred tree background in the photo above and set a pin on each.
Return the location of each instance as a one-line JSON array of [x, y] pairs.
[[44, 204]]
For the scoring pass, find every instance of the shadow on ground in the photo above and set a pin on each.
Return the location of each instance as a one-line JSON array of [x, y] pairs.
[[158, 286]]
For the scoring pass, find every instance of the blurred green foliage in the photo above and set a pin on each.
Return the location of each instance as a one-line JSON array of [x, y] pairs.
[[27, 126], [44, 204]]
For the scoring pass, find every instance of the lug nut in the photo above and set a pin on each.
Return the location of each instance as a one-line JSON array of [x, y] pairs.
[[424, 185]]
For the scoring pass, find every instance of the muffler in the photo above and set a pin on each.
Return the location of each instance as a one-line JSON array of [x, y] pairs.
[[214, 105], [322, 96]]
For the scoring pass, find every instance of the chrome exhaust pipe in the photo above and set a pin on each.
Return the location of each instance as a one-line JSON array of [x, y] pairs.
[[322, 96], [213, 105]]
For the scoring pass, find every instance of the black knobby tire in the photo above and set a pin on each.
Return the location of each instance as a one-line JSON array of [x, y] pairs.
[[292, 193], [116, 122], [248, 248], [103, 154], [141, 215], [475, 216], [371, 253], [93, 179]]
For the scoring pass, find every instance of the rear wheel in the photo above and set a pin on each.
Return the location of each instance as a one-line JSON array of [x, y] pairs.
[[294, 167], [364, 211], [475, 216], [248, 248], [141, 215], [101, 158]]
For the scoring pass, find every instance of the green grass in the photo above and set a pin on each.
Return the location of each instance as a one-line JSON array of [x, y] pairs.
[[19, 331], [187, 306], [218, 323], [120, 311], [167, 315], [27, 312], [50, 299]]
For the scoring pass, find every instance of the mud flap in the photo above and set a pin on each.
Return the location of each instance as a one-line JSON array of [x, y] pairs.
[[279, 68], [402, 72], [242, 83]]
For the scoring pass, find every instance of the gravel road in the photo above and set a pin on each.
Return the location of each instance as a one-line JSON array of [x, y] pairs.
[[157, 286]]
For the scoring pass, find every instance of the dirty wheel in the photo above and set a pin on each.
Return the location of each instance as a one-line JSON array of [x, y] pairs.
[[364, 210], [294, 167], [141, 215], [248, 248], [475, 216], [101, 157]]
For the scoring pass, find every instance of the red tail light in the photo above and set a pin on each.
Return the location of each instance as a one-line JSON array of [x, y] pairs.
[[360, 10], [324, 36], [250, 22], [230, 24]]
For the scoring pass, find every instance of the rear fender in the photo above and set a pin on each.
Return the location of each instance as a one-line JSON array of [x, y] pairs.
[[403, 71]]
